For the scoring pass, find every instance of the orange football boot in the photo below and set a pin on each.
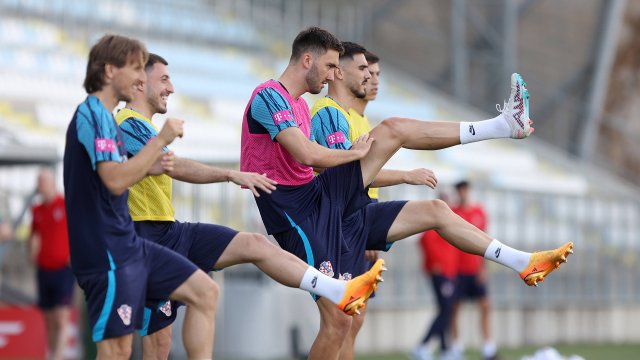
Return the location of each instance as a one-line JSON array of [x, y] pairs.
[[360, 288], [544, 262]]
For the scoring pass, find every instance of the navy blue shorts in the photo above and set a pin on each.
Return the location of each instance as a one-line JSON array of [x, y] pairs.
[[470, 287], [367, 229], [333, 238], [55, 287], [116, 298], [203, 244]]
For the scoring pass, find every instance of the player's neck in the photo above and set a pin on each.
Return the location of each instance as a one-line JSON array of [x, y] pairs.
[[49, 198], [141, 107], [359, 105], [295, 85], [344, 97], [466, 205], [107, 97]]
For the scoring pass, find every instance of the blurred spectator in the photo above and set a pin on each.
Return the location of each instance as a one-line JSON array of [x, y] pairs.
[[48, 247], [471, 282], [440, 264]]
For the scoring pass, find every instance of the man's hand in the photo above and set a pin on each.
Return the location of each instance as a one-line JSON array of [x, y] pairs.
[[362, 145], [253, 181], [171, 129], [163, 164], [167, 161], [421, 177]]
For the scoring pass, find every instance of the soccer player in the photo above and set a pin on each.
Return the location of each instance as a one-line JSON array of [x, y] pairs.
[[48, 247], [317, 218], [117, 269], [358, 126], [210, 247]]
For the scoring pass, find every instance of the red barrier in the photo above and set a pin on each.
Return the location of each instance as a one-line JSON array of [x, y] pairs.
[[22, 333]]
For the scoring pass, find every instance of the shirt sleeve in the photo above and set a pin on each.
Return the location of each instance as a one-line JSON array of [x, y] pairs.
[[137, 133], [271, 110], [98, 133], [331, 129]]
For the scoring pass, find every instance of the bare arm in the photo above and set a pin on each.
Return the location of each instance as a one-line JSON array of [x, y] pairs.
[[309, 153], [118, 177], [197, 173], [414, 177], [33, 246]]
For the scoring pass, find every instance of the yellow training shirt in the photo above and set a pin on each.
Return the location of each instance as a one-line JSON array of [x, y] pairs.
[[358, 126], [150, 198]]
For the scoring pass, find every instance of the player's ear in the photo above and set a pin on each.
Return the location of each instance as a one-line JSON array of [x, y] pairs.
[[307, 60], [339, 75], [109, 69], [139, 85]]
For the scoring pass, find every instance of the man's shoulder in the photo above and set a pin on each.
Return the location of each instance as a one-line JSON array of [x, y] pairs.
[[126, 114], [328, 103]]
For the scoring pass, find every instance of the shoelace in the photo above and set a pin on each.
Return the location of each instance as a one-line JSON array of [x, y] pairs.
[[504, 107]]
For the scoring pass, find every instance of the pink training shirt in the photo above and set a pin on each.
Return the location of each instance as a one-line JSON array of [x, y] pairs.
[[270, 110]]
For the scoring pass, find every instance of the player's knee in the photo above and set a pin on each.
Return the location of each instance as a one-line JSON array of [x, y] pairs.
[[162, 348], [115, 350], [255, 246], [394, 126], [205, 295], [438, 207], [339, 325], [210, 294]]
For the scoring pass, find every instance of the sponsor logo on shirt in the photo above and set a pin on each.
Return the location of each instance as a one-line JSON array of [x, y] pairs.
[[280, 116], [105, 145], [335, 138]]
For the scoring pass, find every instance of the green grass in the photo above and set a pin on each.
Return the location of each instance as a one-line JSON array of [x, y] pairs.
[[587, 351]]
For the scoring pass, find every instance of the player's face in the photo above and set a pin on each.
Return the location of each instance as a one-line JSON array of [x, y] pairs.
[[125, 77], [158, 88], [356, 75], [46, 183], [322, 70], [463, 195], [373, 83]]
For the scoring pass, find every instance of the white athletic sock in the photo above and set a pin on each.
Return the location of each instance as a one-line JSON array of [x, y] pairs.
[[507, 256], [495, 128], [320, 284]]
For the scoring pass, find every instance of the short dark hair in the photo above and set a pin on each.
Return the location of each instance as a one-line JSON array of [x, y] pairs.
[[111, 49], [371, 57], [315, 40], [462, 184], [350, 49], [153, 59]]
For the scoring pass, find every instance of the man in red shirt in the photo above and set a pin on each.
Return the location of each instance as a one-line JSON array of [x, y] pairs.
[[471, 283], [440, 263], [49, 250]]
